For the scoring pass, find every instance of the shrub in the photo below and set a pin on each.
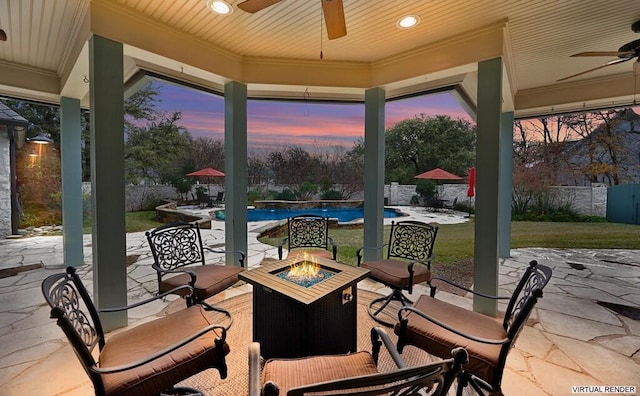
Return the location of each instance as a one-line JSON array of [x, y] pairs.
[[464, 206], [257, 194], [426, 188], [306, 191], [285, 195], [332, 194]]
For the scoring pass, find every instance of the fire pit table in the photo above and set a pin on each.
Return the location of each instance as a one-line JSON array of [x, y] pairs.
[[304, 316]]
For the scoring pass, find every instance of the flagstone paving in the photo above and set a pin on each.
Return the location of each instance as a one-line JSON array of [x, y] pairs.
[[570, 339]]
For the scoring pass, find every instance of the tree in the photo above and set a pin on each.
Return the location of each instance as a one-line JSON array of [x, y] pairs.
[[207, 153], [154, 152], [293, 166], [579, 148], [421, 143]]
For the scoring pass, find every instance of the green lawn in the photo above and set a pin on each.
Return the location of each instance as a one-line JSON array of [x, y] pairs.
[[135, 221], [455, 241]]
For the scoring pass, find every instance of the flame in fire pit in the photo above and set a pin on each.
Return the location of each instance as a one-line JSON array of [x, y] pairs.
[[308, 268]]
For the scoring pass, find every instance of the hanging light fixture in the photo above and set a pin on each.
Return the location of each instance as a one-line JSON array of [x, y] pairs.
[[40, 138]]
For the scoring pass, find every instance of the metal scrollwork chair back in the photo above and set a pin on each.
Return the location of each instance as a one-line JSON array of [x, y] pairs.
[[305, 232], [408, 262], [434, 326], [179, 259], [148, 359]]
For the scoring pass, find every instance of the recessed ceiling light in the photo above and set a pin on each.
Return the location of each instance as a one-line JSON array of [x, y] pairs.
[[220, 7], [408, 21]]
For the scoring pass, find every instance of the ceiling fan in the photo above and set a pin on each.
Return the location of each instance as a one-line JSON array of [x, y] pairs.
[[332, 9], [625, 53]]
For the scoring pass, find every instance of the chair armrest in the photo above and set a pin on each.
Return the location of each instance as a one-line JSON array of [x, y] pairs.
[[148, 300], [426, 262], [254, 369], [240, 252], [191, 274], [377, 334], [402, 318], [362, 249], [280, 245], [433, 289], [116, 369], [334, 247]]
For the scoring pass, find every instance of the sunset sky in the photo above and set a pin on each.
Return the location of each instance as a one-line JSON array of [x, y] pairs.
[[281, 123]]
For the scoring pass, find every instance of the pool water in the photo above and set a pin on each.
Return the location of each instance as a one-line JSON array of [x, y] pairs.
[[342, 214]]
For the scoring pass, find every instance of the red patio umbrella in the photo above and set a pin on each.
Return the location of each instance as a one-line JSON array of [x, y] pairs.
[[207, 172], [438, 174], [472, 183]]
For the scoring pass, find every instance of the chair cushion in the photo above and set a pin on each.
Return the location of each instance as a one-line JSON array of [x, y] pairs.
[[291, 373], [314, 252], [394, 273], [210, 279], [140, 341], [483, 358]]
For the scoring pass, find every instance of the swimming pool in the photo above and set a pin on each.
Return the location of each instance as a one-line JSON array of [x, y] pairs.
[[342, 214]]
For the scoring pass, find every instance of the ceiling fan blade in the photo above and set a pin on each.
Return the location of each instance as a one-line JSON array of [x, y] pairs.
[[334, 18], [604, 53], [253, 6], [610, 63]]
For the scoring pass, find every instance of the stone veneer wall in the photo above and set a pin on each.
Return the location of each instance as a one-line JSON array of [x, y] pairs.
[[5, 184], [590, 201], [586, 200]]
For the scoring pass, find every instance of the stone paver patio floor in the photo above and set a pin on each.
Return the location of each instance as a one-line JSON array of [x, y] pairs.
[[571, 340]]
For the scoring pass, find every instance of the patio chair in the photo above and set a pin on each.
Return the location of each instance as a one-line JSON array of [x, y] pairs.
[[144, 360], [308, 234], [179, 259], [202, 198], [352, 374], [218, 199], [408, 262], [435, 326]]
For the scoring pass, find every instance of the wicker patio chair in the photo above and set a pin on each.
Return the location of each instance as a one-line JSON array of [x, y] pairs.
[[436, 326], [145, 360], [352, 374], [408, 262], [309, 234]]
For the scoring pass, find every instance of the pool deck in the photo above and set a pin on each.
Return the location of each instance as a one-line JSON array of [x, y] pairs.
[[570, 339]]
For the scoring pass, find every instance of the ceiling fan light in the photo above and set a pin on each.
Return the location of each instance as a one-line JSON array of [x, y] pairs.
[[220, 7], [408, 21]]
